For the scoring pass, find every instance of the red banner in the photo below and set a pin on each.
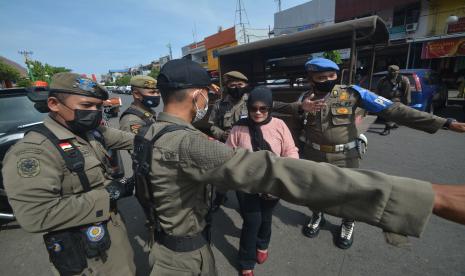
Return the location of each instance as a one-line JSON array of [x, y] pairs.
[[443, 48]]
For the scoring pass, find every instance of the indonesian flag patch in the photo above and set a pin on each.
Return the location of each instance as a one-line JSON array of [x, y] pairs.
[[66, 146]]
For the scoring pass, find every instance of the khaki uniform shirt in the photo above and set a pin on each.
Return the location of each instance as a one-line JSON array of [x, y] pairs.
[[44, 194], [396, 91], [184, 161], [132, 123], [335, 123], [225, 114]]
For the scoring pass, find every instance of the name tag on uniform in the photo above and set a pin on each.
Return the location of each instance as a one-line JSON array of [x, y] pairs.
[[342, 110]]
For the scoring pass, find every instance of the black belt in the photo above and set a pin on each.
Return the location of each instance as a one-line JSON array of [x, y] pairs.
[[182, 244]]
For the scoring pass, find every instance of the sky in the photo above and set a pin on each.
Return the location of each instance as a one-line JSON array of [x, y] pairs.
[[99, 35]]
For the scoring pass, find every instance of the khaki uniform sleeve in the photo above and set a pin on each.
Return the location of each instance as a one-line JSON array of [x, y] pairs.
[[117, 139], [32, 178], [406, 95], [286, 108], [216, 131], [413, 118], [395, 204], [131, 123]]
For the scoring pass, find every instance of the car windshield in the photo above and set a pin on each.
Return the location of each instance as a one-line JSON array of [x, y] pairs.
[[17, 111]]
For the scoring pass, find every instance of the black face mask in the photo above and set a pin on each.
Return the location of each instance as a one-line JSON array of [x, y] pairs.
[[326, 86], [237, 92], [150, 101], [393, 75], [85, 120]]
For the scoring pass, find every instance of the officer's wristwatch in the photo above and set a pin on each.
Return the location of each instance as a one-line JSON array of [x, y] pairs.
[[448, 123]]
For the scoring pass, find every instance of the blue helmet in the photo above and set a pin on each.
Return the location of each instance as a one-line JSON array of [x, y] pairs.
[[321, 65]]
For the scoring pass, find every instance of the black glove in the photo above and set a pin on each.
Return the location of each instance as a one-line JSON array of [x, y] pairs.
[[120, 188]]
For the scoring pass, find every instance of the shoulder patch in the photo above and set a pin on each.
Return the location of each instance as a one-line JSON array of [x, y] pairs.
[[28, 167], [135, 128]]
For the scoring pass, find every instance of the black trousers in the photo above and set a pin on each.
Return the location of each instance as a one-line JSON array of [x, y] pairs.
[[256, 228]]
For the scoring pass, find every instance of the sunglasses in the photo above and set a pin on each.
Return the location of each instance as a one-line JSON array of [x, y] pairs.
[[262, 109]]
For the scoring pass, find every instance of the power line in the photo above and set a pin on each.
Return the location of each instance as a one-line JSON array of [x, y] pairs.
[[279, 4]]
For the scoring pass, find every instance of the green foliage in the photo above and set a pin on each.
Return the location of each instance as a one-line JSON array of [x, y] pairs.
[[8, 72], [24, 82], [154, 73], [124, 80], [44, 72], [333, 55]]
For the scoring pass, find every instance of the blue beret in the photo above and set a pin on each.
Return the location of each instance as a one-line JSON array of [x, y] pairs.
[[321, 65]]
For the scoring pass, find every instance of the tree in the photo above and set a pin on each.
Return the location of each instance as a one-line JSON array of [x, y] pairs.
[[24, 82], [8, 72], [123, 80], [44, 72], [333, 55], [154, 73]]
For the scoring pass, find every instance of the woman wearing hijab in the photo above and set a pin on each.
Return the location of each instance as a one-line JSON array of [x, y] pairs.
[[260, 131]]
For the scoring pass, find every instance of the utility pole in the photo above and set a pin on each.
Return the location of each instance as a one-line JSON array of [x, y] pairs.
[[243, 20], [279, 4], [26, 55], [170, 50]]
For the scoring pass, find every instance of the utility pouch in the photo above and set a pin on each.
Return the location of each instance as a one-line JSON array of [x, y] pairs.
[[96, 240], [66, 251]]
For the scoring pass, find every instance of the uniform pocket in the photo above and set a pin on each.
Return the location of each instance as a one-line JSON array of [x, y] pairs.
[[228, 120], [341, 115]]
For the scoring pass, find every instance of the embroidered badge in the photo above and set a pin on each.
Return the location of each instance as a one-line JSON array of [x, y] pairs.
[[149, 84], [28, 167], [342, 110], [95, 233], [65, 146], [335, 93], [344, 96], [135, 128]]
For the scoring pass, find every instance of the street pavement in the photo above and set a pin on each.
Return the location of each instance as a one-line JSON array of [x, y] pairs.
[[438, 158]]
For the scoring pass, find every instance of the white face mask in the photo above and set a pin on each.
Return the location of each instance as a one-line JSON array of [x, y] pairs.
[[200, 113]]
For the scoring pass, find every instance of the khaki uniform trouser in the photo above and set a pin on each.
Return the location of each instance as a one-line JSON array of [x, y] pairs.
[[166, 262], [349, 159], [120, 259]]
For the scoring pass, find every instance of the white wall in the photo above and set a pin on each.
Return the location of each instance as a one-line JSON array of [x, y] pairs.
[[305, 16]]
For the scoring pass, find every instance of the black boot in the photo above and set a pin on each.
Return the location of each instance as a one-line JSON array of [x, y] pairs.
[[220, 199], [386, 131], [346, 234], [312, 229]]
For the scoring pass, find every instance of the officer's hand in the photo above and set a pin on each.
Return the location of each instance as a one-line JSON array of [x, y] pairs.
[[449, 202], [457, 127], [312, 106], [215, 88], [120, 188]]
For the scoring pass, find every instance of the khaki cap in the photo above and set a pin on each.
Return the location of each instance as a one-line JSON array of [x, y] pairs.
[[143, 82], [393, 68], [235, 75], [73, 83]]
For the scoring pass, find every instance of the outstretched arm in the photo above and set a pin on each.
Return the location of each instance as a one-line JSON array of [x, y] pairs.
[[449, 202], [398, 112]]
